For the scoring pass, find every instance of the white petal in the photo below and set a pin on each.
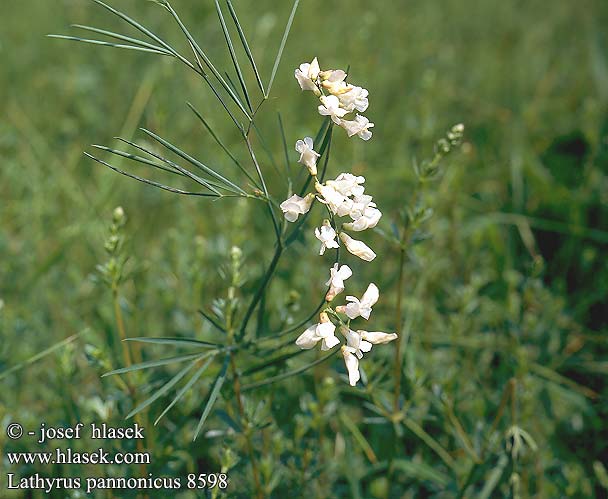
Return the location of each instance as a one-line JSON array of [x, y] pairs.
[[357, 248], [308, 339], [329, 342], [377, 337], [371, 295], [352, 365]]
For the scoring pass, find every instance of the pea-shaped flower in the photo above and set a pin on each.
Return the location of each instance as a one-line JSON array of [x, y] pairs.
[[327, 235], [295, 206], [307, 75], [359, 126], [308, 156], [363, 307], [336, 280]]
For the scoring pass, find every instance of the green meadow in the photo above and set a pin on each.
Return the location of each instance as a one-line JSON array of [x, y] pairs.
[[492, 265]]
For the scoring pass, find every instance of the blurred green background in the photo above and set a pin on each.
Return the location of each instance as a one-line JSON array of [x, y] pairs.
[[513, 282]]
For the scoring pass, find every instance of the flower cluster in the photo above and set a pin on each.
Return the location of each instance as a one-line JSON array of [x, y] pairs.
[[343, 196], [337, 97], [357, 342]]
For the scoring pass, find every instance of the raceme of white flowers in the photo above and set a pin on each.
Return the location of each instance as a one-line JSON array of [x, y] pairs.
[[343, 196], [337, 97]]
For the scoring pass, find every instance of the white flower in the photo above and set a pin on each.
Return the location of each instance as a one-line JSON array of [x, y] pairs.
[[366, 220], [352, 365], [361, 307], [327, 235], [308, 156], [357, 248], [308, 339], [338, 204], [353, 97], [336, 280], [356, 342], [330, 106], [295, 206], [307, 75], [377, 337], [333, 81], [359, 126], [348, 184], [323, 331]]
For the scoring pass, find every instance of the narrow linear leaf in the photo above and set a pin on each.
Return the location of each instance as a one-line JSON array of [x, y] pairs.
[[195, 377], [193, 161], [282, 46], [150, 182], [359, 438], [153, 363], [417, 430], [160, 392], [211, 320], [145, 31], [184, 171], [174, 341], [124, 38], [235, 61], [421, 471], [286, 152], [494, 477], [207, 61], [215, 391], [108, 44], [138, 159], [267, 149], [215, 91], [280, 359], [221, 144], [246, 46], [280, 377]]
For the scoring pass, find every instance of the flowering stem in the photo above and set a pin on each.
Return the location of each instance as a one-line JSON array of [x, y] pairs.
[[261, 288]]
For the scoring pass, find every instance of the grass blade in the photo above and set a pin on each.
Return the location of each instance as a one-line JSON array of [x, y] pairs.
[[215, 391], [153, 363], [124, 38], [41, 355], [175, 190], [282, 46], [185, 388], [193, 161], [246, 46], [235, 61], [175, 341], [164, 389], [108, 44], [421, 471]]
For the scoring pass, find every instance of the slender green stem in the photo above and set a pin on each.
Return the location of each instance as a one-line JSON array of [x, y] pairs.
[[261, 288]]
